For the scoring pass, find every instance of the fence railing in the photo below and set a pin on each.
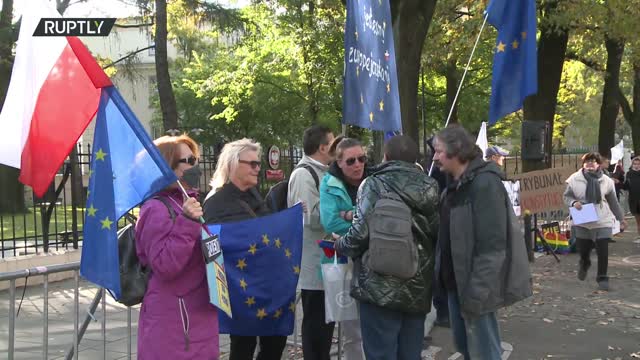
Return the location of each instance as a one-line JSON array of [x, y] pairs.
[[78, 329], [49, 222]]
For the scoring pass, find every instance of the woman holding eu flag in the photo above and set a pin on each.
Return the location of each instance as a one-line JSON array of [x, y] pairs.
[[234, 197], [338, 191], [176, 319]]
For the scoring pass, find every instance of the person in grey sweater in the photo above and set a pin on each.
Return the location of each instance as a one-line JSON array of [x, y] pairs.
[[316, 333], [589, 186]]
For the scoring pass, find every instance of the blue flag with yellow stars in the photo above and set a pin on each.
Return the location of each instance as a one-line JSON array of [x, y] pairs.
[[370, 98], [262, 261], [126, 169], [515, 67]]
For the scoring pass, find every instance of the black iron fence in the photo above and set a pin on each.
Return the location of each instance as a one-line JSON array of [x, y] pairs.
[[49, 223], [513, 163]]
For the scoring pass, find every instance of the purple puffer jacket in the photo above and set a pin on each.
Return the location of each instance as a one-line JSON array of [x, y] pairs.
[[176, 319]]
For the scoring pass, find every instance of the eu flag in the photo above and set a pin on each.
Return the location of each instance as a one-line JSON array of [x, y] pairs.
[[515, 74], [370, 98], [262, 261], [126, 169]]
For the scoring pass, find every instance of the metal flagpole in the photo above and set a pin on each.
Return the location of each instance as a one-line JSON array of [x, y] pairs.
[[464, 75]]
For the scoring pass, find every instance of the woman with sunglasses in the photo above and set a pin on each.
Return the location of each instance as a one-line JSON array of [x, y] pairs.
[[338, 191], [234, 197], [176, 319]]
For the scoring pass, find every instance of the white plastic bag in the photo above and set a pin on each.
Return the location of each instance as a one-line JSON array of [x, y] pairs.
[[338, 303]]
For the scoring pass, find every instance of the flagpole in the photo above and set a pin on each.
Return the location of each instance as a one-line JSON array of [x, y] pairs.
[[464, 75], [187, 195]]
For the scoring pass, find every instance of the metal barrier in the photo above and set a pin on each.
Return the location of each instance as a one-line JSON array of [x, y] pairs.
[[79, 331]]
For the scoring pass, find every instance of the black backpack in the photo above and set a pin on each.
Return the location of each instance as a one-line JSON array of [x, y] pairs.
[[276, 198], [133, 275]]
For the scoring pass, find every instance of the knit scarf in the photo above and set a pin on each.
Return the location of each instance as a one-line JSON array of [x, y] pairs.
[[594, 196]]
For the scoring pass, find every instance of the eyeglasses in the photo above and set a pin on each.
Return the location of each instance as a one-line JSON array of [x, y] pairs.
[[254, 164], [191, 160], [361, 159]]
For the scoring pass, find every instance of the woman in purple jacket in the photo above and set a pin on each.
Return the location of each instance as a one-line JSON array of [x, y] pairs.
[[176, 319]]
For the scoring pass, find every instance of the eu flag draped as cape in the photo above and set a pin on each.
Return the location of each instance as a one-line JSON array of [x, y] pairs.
[[515, 74], [126, 169], [262, 261]]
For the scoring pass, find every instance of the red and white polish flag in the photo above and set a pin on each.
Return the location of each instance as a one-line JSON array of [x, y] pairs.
[[53, 95]]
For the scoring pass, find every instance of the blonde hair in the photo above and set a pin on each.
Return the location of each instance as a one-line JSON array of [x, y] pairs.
[[229, 159], [168, 146]]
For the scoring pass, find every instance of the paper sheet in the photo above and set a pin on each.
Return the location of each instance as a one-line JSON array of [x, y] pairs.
[[585, 215]]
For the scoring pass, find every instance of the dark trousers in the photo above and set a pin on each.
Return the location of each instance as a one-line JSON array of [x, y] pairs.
[[389, 334], [602, 249], [243, 347], [316, 333], [440, 302]]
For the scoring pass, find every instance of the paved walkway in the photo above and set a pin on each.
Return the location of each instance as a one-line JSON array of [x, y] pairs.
[[565, 319]]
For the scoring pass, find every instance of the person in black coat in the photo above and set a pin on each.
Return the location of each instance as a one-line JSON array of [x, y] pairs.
[[234, 197], [632, 184]]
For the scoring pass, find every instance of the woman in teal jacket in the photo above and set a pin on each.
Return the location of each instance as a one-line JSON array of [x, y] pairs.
[[338, 191]]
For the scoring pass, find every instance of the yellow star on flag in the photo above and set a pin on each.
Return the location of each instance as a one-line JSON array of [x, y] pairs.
[[91, 211], [100, 154], [500, 47], [388, 87], [265, 239], [296, 269], [252, 249], [242, 263], [250, 301], [381, 105], [524, 35], [371, 116], [106, 223], [261, 314], [515, 44], [292, 307], [243, 284], [287, 253], [278, 243], [277, 314]]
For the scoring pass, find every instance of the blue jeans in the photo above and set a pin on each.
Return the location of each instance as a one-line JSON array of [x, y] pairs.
[[389, 334], [477, 338]]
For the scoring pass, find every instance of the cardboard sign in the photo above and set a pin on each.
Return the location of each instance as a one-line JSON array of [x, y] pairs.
[[542, 190], [216, 275]]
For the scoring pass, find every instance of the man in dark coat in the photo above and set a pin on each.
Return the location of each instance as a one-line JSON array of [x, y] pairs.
[[481, 260], [393, 310]]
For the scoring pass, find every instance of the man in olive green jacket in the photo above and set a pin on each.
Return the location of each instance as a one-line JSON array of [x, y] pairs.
[[393, 310]]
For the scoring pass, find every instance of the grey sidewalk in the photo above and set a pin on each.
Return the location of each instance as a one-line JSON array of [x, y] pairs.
[[565, 319]]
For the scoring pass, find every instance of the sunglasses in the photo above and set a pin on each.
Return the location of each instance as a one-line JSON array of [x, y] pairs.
[[191, 160], [254, 164], [361, 159]]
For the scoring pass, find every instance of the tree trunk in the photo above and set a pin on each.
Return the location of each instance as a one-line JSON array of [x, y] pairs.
[[610, 107], [633, 115], [552, 48], [306, 51], [165, 90], [452, 88], [7, 39], [411, 20]]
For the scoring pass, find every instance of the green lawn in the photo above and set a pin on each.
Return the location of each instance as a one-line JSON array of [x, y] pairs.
[[28, 225]]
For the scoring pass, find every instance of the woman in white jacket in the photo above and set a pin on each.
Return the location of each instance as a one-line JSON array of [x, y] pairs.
[[589, 186]]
